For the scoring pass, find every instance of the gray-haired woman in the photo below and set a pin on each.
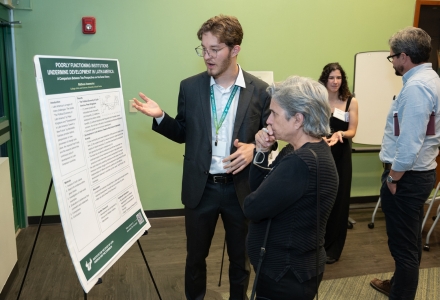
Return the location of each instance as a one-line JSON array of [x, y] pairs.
[[285, 193]]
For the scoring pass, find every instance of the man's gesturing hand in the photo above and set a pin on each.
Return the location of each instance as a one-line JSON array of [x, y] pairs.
[[149, 108]]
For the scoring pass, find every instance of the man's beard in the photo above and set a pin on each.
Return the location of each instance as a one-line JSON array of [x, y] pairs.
[[221, 67], [398, 71]]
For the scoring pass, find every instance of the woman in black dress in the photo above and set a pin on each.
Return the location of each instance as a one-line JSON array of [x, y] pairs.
[[343, 125], [285, 193]]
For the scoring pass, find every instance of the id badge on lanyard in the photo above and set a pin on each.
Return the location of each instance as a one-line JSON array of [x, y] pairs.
[[219, 147]]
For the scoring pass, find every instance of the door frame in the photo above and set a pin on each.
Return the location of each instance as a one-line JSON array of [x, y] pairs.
[[419, 3], [14, 146]]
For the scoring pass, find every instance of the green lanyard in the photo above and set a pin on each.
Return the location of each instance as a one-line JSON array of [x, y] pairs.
[[225, 111]]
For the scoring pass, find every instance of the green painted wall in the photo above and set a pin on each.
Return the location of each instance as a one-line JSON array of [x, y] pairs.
[[154, 41]]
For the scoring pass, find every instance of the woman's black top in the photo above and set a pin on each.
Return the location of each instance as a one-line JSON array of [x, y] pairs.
[[287, 195], [339, 125]]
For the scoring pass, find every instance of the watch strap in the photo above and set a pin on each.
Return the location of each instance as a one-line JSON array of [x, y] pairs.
[[392, 180]]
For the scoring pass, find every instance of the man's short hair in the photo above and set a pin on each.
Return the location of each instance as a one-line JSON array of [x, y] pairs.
[[226, 28], [412, 41]]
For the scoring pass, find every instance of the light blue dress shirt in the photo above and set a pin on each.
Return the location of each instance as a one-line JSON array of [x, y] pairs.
[[419, 97]]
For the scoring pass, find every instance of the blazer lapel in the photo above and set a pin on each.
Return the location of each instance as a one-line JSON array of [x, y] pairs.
[[243, 104], [205, 104]]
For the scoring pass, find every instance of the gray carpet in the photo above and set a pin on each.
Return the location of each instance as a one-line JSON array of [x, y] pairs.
[[358, 287]]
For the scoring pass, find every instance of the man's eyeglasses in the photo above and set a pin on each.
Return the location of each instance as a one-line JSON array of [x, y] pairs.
[[391, 57], [211, 53]]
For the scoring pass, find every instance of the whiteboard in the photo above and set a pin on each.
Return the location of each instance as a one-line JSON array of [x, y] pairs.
[[375, 84], [266, 76]]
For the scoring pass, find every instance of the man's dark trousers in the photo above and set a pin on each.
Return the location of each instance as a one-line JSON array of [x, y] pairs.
[[404, 217], [218, 198]]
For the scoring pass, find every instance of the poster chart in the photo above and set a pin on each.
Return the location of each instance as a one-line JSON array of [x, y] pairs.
[[85, 129]]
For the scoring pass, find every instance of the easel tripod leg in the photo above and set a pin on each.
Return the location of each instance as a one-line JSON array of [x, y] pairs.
[[149, 271], [36, 238]]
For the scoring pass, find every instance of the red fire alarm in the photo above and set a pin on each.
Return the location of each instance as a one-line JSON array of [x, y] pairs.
[[89, 25]]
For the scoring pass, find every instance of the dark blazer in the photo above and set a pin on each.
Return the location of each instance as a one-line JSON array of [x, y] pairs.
[[192, 126]]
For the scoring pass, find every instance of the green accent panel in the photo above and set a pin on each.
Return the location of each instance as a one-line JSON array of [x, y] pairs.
[[20, 213], [4, 13], [154, 42], [102, 253]]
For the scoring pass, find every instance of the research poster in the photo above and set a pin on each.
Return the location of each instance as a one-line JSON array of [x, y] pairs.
[[85, 129]]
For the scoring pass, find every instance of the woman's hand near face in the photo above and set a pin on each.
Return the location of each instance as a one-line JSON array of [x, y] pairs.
[[264, 139]]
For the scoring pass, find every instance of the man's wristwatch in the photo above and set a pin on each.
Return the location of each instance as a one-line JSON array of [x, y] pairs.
[[391, 180]]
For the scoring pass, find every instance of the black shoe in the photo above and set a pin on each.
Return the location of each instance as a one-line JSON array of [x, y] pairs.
[[331, 260]]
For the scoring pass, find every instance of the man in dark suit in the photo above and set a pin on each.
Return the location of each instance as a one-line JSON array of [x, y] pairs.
[[219, 113]]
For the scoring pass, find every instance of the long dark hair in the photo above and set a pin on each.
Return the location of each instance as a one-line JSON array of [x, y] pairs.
[[343, 92]]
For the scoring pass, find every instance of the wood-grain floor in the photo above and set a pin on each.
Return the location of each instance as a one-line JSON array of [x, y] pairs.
[[52, 276]]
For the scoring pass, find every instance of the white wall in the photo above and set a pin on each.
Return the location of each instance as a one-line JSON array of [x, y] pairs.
[[8, 247]]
